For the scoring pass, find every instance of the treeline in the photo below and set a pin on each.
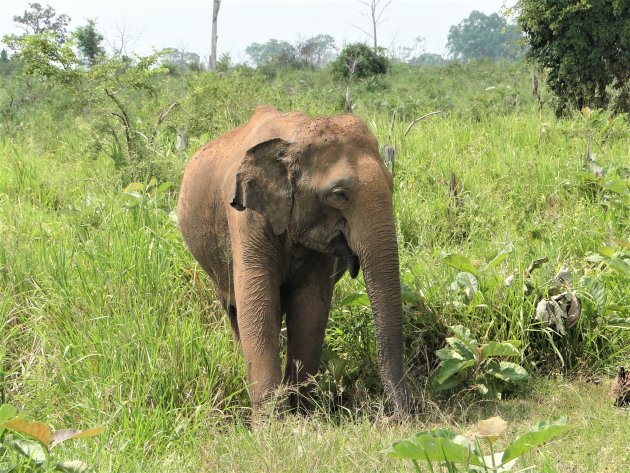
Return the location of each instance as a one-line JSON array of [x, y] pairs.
[[478, 36], [582, 52]]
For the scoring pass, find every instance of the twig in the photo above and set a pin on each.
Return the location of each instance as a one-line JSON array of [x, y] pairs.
[[391, 123], [420, 118], [164, 114]]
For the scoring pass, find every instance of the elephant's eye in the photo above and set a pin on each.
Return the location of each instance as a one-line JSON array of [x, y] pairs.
[[338, 195]]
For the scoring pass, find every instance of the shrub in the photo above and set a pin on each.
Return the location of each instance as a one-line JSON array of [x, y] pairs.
[[359, 61]]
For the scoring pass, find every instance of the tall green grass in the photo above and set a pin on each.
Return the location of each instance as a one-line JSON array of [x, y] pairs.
[[106, 318]]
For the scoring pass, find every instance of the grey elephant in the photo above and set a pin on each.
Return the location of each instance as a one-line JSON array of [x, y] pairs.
[[275, 211]]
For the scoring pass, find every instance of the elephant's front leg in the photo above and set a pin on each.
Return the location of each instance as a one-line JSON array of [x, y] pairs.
[[307, 307], [258, 315]]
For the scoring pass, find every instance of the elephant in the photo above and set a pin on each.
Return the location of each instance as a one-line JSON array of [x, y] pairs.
[[275, 211]]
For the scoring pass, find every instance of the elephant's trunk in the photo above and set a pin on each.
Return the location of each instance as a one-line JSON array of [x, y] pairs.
[[378, 255]]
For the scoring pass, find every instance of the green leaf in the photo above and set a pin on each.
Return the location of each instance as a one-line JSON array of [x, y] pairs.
[[537, 435], [463, 334], [451, 367], [465, 280], [446, 353], [163, 187], [597, 291], [432, 446], [134, 187], [500, 257], [72, 466], [7, 411], [586, 176], [499, 349], [620, 265], [30, 449], [488, 387], [461, 263], [460, 347], [356, 299], [450, 383], [507, 371], [463, 342]]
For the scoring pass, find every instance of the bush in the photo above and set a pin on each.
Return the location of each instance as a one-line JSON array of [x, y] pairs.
[[359, 61]]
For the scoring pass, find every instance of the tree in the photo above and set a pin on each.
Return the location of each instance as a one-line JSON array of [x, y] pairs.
[[41, 55], [40, 20], [483, 36], [359, 61], [585, 46], [317, 50], [273, 51], [179, 60], [376, 12], [4, 57], [428, 59], [213, 52], [89, 43]]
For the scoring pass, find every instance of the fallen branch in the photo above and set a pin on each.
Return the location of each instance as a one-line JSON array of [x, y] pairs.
[[420, 118]]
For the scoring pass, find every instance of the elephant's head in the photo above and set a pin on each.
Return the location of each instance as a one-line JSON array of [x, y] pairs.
[[322, 181]]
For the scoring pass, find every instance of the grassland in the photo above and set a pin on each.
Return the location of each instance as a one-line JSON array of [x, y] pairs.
[[106, 319]]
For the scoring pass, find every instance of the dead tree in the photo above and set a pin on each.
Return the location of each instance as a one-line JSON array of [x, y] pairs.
[[376, 12], [212, 64], [351, 68]]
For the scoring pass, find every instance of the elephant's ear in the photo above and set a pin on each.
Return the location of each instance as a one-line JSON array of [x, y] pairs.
[[263, 183]]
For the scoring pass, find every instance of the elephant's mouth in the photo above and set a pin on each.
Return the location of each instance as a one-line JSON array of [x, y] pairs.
[[340, 248]]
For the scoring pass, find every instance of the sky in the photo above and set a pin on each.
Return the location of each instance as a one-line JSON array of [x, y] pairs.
[[186, 24]]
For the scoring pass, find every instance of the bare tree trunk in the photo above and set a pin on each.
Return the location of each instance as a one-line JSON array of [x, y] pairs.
[[374, 23], [376, 12], [212, 65]]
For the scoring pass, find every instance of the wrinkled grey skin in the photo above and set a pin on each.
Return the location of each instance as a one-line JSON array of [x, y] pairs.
[[275, 211]]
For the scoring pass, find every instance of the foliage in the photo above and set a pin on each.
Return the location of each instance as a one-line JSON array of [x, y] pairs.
[[313, 52], [428, 59], [43, 20], [89, 43], [585, 47], [280, 53], [42, 55], [97, 286], [465, 360], [483, 36], [177, 60], [316, 51], [31, 444], [450, 450], [359, 61]]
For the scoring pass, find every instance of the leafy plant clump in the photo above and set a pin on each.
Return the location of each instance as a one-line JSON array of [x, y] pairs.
[[31, 444], [457, 453], [359, 61], [464, 360]]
